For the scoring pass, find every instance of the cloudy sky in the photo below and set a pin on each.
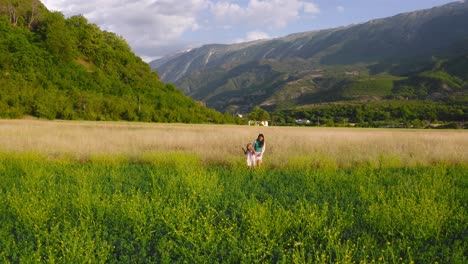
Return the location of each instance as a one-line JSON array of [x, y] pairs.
[[156, 28]]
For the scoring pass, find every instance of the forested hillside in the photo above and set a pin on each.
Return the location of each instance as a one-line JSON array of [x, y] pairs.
[[66, 68]]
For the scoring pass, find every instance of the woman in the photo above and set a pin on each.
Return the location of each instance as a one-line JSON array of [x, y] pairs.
[[259, 147]]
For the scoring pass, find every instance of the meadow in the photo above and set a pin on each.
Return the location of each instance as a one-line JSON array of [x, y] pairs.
[[96, 192]]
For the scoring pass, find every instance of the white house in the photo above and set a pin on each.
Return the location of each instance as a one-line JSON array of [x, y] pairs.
[[302, 122], [258, 123]]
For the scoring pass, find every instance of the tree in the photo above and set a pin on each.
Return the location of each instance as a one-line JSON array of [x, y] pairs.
[[58, 38], [258, 114], [12, 12], [34, 12]]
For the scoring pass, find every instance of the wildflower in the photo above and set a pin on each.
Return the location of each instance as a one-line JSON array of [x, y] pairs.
[[297, 244]]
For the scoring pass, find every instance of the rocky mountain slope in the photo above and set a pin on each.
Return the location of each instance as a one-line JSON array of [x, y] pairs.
[[358, 62]]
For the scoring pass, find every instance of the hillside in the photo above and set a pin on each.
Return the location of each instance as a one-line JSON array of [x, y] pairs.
[[369, 61], [66, 68]]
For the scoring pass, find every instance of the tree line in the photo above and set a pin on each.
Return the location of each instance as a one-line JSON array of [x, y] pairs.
[[376, 114]]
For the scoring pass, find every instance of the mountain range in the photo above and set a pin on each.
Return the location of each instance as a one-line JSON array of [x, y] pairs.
[[418, 55]]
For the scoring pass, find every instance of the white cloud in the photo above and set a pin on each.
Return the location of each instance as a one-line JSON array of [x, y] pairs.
[[156, 28], [253, 35], [311, 8], [276, 13], [147, 25], [223, 9], [340, 9], [195, 27]]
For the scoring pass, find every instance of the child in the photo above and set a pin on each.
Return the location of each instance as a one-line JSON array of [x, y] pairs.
[[251, 155]]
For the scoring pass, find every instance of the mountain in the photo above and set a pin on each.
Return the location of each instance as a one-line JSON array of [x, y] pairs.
[[367, 61], [66, 68]]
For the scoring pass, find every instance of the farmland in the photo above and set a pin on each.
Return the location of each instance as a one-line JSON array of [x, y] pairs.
[[135, 192]]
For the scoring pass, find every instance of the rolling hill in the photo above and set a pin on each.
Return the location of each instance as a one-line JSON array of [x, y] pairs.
[[66, 68]]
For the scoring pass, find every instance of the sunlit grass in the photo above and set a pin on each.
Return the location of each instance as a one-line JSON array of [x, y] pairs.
[[75, 192], [222, 144]]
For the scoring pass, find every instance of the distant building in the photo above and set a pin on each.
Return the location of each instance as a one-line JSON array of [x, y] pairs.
[[302, 121], [258, 123]]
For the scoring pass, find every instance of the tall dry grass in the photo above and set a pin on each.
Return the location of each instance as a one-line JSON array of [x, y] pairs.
[[222, 143]]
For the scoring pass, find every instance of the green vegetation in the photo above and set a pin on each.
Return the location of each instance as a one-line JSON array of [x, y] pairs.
[[57, 68], [259, 114], [172, 208], [437, 93], [446, 78], [374, 114], [375, 86]]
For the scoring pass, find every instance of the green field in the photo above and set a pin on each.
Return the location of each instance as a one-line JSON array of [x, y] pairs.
[[380, 86], [118, 192], [172, 208]]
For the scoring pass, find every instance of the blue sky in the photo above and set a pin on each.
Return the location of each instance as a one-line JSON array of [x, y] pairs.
[[155, 28]]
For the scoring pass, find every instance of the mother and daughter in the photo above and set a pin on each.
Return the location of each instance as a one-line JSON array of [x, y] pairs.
[[254, 152]]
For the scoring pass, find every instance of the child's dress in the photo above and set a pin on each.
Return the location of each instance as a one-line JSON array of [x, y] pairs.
[[251, 158]]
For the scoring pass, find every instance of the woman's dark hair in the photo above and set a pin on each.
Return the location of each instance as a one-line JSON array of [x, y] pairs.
[[261, 142]]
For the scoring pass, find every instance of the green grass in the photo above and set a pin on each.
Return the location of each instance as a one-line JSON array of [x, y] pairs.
[[174, 208], [374, 86], [443, 77]]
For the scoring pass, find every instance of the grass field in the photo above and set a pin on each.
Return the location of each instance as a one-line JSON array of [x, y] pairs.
[[222, 144], [75, 192]]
